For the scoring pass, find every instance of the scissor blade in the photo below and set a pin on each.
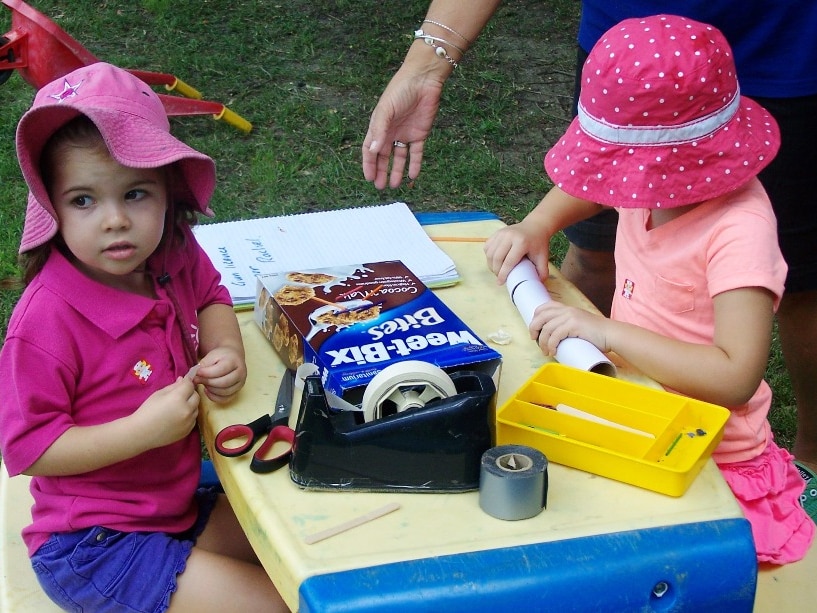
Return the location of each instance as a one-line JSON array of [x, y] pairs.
[[283, 402]]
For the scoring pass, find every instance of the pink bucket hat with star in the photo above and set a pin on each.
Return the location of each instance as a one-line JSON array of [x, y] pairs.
[[134, 125], [661, 120]]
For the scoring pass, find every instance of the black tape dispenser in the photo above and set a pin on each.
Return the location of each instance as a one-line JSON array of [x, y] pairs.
[[418, 437]]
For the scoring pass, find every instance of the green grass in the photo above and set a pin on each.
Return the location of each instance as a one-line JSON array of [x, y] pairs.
[[307, 75]]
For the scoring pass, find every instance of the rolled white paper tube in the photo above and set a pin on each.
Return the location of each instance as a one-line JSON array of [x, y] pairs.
[[527, 292]]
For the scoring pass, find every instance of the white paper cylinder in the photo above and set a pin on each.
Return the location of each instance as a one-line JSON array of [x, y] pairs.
[[527, 292]]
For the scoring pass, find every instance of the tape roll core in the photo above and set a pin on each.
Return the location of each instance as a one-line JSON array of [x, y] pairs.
[[514, 462], [405, 385], [513, 482]]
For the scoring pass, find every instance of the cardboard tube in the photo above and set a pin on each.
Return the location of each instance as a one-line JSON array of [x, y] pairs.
[[527, 292]]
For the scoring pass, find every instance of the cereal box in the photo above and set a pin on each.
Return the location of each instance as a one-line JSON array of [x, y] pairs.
[[353, 321]]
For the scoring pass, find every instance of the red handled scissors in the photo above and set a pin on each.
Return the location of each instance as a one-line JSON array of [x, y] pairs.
[[274, 426]]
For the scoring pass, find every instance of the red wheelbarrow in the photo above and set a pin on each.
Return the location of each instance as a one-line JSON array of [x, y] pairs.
[[41, 51]]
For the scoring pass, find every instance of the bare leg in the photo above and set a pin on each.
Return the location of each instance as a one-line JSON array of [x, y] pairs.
[[797, 323], [223, 573], [594, 273]]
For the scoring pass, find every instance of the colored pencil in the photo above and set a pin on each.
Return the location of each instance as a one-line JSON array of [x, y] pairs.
[[459, 239]]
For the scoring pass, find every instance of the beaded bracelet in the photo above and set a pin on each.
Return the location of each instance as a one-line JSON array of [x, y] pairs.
[[426, 36], [439, 50], [445, 27]]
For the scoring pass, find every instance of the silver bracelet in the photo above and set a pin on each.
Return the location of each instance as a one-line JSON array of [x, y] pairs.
[[426, 36], [439, 50], [445, 27]]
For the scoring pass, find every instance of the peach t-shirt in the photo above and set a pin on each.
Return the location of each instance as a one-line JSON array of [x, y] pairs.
[[667, 277]]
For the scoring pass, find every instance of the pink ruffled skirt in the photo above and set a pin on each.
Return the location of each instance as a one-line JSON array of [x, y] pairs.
[[768, 489]]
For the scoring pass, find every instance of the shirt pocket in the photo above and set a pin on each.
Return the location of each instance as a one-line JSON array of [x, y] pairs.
[[677, 297]]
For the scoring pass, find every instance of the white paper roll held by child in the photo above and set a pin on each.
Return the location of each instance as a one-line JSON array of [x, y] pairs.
[[527, 292]]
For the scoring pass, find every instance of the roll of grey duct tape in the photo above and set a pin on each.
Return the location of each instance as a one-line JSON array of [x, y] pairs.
[[513, 482]]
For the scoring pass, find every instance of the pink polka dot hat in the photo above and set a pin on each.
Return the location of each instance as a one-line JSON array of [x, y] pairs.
[[661, 119]]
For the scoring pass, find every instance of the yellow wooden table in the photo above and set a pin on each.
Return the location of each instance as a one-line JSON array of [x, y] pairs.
[[616, 544], [448, 529]]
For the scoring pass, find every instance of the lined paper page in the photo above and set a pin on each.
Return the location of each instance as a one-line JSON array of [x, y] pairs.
[[240, 250]]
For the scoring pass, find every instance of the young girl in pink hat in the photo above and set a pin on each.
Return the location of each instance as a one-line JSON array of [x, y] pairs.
[[122, 316], [664, 136]]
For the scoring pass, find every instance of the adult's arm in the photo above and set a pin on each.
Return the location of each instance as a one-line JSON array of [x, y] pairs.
[[408, 106]]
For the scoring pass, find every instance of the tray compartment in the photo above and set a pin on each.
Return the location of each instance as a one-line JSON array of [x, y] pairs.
[[680, 433]]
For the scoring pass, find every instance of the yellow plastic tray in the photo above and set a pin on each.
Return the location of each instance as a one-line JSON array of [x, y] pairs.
[[675, 435]]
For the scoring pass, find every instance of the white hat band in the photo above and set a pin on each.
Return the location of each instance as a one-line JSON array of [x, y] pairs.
[[658, 135]]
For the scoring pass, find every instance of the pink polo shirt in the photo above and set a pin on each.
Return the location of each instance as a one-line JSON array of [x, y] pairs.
[[667, 277], [81, 353]]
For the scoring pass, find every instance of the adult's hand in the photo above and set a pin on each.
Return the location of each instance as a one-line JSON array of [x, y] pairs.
[[404, 115], [407, 108]]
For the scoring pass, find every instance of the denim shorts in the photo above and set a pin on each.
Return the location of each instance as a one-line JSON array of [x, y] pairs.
[[789, 181], [597, 233], [101, 570]]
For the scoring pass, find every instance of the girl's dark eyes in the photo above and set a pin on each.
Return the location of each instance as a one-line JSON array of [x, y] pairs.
[[135, 194], [132, 195], [82, 201]]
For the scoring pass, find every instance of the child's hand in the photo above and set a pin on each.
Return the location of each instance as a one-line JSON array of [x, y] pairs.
[[223, 373], [553, 322], [169, 414], [508, 245]]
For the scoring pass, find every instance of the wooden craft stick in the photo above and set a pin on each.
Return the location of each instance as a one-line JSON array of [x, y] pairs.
[[565, 408], [352, 523]]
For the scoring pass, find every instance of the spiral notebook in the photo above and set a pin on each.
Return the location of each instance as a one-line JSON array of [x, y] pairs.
[[241, 250]]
